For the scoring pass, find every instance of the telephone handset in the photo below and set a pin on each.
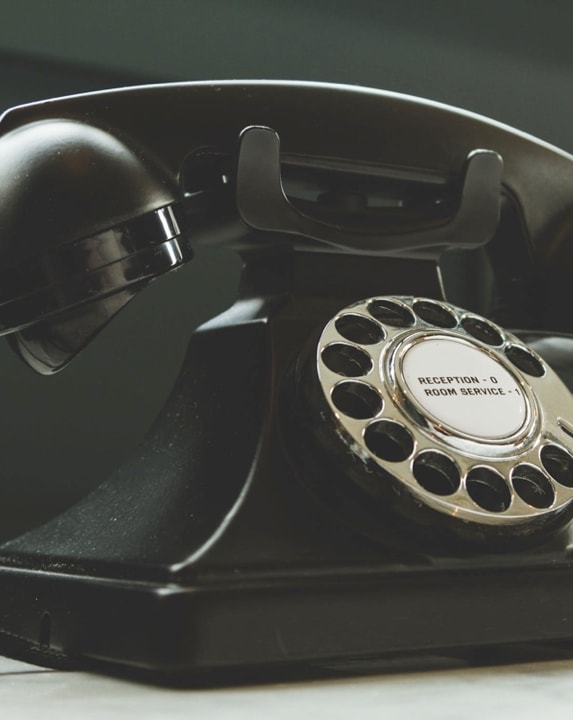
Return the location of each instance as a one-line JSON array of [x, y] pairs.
[[346, 452]]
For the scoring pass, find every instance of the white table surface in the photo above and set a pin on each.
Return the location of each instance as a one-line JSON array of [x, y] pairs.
[[528, 691]]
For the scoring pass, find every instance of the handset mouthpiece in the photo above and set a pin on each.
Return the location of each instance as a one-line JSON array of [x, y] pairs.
[[85, 223]]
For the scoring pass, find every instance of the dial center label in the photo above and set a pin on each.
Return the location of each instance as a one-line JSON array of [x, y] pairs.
[[464, 388]]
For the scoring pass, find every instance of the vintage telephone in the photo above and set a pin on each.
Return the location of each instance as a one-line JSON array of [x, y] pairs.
[[350, 468]]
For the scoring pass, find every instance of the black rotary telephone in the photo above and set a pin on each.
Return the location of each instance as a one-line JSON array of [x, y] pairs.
[[350, 468]]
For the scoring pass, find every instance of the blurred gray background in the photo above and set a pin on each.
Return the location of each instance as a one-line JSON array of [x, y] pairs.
[[511, 60]]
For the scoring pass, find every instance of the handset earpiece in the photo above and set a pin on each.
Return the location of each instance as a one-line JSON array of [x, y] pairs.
[[86, 221]]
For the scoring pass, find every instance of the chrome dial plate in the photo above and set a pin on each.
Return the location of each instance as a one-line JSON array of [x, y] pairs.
[[461, 415]]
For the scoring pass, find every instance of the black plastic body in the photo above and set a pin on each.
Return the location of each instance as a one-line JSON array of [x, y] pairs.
[[209, 550]]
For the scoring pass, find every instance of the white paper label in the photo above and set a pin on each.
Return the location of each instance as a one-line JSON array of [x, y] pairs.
[[464, 388]]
